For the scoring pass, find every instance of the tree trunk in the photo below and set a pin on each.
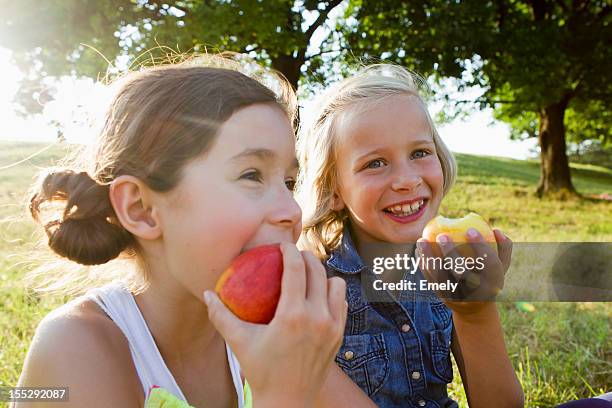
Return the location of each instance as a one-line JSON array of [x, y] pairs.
[[554, 168], [289, 66]]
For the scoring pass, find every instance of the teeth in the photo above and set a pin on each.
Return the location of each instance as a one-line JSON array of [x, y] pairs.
[[406, 209]]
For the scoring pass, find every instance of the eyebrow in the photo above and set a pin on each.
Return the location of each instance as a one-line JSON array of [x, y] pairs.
[[369, 153], [380, 150], [263, 155]]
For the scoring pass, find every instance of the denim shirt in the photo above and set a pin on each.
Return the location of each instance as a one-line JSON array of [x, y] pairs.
[[397, 351]]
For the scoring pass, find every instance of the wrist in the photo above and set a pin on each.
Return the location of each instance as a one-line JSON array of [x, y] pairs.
[[483, 312]]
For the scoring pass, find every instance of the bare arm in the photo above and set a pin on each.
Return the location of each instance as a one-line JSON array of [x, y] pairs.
[[478, 340], [340, 391], [75, 352], [486, 371]]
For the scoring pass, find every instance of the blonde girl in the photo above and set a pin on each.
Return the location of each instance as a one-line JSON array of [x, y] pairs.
[[374, 172]]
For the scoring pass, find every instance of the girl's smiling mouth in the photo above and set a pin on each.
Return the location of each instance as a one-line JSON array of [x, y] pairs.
[[406, 211]]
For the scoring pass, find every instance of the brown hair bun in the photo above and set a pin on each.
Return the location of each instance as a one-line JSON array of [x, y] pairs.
[[86, 231]]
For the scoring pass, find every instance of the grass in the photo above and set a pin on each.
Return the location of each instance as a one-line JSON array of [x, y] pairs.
[[502, 190], [561, 351]]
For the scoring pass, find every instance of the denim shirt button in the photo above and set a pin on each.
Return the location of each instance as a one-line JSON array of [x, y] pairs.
[[406, 328], [421, 403], [416, 375], [349, 355]]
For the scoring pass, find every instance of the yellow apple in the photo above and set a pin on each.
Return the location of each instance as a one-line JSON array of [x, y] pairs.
[[456, 229]]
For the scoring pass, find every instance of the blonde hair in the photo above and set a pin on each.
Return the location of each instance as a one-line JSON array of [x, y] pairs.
[[160, 119], [322, 226]]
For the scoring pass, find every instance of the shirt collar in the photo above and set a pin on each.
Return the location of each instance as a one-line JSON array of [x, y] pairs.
[[345, 258]]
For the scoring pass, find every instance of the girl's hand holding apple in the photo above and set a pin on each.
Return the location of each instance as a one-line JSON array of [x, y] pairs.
[[469, 237], [290, 356]]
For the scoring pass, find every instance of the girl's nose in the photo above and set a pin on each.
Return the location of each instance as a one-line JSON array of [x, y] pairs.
[[405, 179], [286, 211]]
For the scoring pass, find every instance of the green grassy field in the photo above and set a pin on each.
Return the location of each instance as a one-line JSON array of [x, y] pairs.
[[561, 351]]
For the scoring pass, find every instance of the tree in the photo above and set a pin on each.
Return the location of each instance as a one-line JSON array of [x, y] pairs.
[[57, 37], [533, 58]]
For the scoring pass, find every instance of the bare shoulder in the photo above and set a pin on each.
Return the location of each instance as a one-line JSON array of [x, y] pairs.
[[80, 347]]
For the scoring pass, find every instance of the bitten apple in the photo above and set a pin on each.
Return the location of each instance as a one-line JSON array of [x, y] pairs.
[[251, 286], [456, 229]]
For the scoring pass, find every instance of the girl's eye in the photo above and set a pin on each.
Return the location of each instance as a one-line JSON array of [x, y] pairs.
[[419, 154], [253, 175], [290, 183], [374, 164]]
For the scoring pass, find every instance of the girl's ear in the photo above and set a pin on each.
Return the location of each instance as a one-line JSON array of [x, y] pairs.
[[131, 200], [337, 202]]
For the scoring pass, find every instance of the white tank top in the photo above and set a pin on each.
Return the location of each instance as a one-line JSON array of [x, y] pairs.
[[119, 304]]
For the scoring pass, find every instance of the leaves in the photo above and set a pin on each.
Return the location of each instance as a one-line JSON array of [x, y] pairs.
[[524, 57], [85, 37]]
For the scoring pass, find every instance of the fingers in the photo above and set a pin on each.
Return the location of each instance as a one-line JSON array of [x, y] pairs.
[[453, 251], [423, 248], [336, 299], [504, 246], [494, 278], [426, 252], [446, 244], [481, 245], [326, 297], [338, 309], [293, 285], [226, 323], [316, 279]]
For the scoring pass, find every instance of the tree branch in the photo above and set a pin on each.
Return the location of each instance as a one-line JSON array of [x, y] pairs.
[[321, 19], [322, 53], [491, 102]]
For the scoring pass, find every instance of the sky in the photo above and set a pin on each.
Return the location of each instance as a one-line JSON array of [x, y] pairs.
[[81, 102]]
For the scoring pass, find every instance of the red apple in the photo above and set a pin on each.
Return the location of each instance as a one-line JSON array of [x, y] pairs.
[[251, 286]]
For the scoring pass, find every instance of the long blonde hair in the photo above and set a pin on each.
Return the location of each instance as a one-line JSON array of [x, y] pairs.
[[322, 226]]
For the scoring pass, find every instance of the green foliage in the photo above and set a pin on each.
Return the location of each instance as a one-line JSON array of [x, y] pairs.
[[86, 37], [525, 54], [590, 121]]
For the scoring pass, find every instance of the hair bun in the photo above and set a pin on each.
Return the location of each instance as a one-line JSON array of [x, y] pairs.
[[85, 232]]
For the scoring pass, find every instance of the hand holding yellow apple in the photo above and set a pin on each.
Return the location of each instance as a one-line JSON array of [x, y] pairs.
[[469, 236]]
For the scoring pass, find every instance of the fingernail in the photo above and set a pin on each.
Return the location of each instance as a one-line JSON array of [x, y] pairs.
[[208, 298], [443, 239], [472, 233]]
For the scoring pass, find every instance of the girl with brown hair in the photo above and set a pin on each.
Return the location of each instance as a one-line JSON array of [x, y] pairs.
[[194, 165]]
